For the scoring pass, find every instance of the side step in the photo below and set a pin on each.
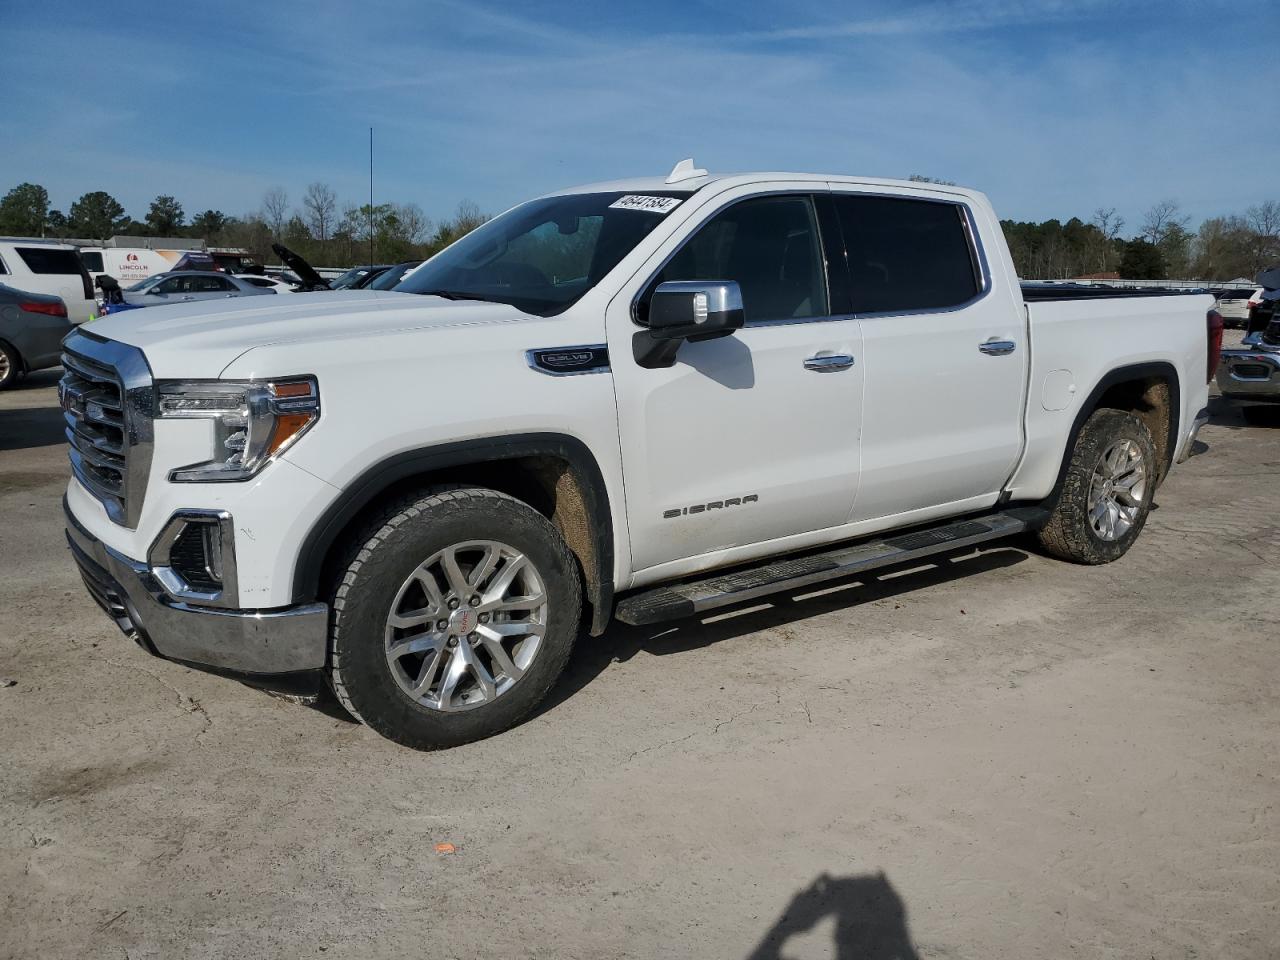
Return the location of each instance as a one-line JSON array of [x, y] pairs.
[[686, 599]]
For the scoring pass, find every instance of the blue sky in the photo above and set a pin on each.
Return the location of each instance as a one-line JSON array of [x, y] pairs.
[[1054, 108]]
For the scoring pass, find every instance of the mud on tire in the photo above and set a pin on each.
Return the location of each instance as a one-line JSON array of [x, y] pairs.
[[1070, 533], [386, 557]]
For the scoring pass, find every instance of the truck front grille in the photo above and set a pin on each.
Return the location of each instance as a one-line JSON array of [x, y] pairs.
[[107, 402]]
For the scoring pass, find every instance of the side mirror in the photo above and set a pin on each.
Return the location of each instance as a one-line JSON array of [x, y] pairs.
[[682, 310]]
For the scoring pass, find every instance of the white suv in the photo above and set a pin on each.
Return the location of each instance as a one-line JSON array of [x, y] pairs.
[[45, 266]]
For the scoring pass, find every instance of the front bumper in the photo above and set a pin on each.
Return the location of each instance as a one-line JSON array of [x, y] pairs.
[[1250, 375], [256, 642]]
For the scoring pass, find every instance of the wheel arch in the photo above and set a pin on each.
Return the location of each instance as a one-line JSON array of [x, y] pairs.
[[554, 473], [1152, 392]]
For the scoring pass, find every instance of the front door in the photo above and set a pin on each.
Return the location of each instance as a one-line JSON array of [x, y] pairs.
[[752, 437]]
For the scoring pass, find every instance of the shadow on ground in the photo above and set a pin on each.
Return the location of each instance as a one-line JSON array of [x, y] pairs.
[[870, 920], [21, 426], [593, 655]]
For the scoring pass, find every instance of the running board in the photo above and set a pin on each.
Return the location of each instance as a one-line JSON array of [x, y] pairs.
[[689, 598]]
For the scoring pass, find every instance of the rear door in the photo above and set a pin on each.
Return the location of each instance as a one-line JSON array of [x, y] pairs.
[[944, 357]]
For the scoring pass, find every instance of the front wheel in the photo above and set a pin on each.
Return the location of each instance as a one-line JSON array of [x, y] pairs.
[[1107, 492], [454, 616]]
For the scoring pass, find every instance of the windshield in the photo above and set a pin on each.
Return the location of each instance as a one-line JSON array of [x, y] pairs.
[[544, 255], [389, 278], [144, 284], [347, 279]]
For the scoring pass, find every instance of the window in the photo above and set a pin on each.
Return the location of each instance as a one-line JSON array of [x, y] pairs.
[[770, 246], [170, 285], [50, 260], [258, 281], [92, 261], [3, 268], [906, 254], [209, 284]]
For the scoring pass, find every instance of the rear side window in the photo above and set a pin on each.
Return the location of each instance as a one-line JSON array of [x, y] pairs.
[[50, 260], [906, 255], [92, 262]]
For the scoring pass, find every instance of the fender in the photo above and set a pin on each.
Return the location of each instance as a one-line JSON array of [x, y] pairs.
[[401, 466], [1137, 371]]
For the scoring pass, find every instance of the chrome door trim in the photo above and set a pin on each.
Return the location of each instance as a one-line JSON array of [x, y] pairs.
[[828, 362], [997, 348]]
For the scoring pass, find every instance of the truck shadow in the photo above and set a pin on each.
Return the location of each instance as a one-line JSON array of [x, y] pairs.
[[22, 427], [870, 919], [593, 655]]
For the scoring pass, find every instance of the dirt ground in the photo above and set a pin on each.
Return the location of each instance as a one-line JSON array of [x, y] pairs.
[[1003, 756]]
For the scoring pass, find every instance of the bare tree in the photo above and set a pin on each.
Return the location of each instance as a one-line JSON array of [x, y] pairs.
[[321, 204], [468, 217], [275, 209], [414, 224], [1109, 224], [1264, 224], [1161, 220]]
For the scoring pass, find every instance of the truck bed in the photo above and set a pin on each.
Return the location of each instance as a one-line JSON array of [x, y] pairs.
[[1033, 292]]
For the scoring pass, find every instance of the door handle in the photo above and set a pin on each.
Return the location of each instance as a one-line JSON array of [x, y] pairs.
[[828, 362], [998, 348]]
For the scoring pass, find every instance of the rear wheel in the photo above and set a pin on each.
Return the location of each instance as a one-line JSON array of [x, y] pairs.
[[10, 366], [454, 616], [1107, 492]]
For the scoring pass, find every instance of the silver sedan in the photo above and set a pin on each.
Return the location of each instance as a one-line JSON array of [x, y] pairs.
[[181, 286]]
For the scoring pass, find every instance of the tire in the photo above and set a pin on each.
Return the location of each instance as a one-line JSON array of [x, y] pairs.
[[1075, 530], [10, 366], [388, 570]]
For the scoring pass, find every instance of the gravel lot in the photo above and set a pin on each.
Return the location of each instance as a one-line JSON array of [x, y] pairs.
[[1000, 757]]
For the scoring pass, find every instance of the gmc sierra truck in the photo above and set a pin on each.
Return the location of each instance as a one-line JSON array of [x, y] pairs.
[[639, 401]]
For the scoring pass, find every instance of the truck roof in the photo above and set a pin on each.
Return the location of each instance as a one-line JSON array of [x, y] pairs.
[[692, 184]]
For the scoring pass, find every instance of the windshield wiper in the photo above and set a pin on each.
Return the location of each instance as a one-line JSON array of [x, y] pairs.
[[458, 295]]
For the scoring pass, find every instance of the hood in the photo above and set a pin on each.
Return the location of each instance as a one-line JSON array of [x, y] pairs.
[[300, 267], [198, 340]]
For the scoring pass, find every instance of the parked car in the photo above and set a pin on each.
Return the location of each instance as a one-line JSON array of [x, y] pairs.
[[642, 401], [186, 286], [388, 279], [44, 266], [357, 277], [32, 326], [267, 283], [1250, 375], [1234, 305]]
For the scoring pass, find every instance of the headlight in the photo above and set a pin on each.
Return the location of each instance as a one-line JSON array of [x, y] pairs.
[[254, 421]]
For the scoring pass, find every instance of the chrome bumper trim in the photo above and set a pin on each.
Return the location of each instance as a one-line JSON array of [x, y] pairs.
[[1235, 386], [285, 640]]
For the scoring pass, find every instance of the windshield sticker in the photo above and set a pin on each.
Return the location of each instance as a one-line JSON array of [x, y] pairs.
[[633, 201]]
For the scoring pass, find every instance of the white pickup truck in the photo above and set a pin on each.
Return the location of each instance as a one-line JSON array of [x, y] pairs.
[[637, 400]]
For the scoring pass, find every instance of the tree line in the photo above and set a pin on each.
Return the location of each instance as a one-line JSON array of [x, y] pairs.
[[327, 233], [1164, 248], [322, 231]]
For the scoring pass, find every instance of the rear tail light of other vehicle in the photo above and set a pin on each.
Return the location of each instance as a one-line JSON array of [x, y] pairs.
[[1214, 324], [58, 309]]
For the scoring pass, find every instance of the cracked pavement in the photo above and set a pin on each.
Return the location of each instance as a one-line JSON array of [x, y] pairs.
[[1084, 762]]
